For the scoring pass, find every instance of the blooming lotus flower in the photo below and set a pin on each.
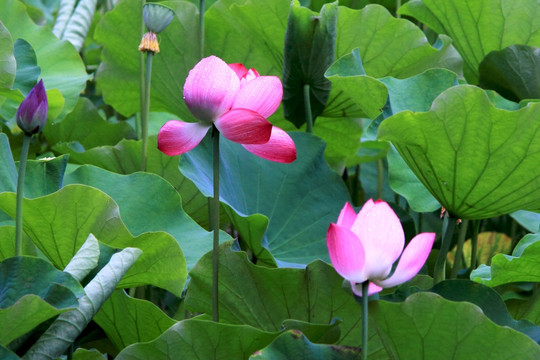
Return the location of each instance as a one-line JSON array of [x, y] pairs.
[[238, 102], [365, 246], [32, 113]]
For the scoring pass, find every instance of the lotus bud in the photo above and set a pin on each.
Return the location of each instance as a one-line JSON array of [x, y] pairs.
[[32, 113]]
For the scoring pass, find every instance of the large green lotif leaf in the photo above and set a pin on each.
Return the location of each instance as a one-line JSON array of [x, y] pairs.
[[513, 72], [415, 328], [261, 25], [156, 210], [32, 291], [266, 297], [84, 128], [282, 192], [125, 158], [390, 46], [59, 223], [119, 32], [479, 27], [195, 338], [522, 265], [415, 94], [127, 321], [27, 69], [488, 300], [68, 326], [8, 64], [476, 160], [8, 171], [354, 93], [294, 345], [309, 50], [62, 67]]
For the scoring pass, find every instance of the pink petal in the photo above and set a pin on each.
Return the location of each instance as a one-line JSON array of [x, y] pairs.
[[372, 289], [346, 253], [279, 148], [413, 258], [346, 216], [210, 89], [239, 69], [244, 126], [262, 94], [380, 231], [177, 137]]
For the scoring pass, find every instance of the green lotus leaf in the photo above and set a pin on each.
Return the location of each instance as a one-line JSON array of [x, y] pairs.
[[32, 291], [479, 27], [513, 72], [413, 330], [476, 160], [59, 223], [522, 265], [294, 345], [251, 185], [127, 321], [61, 65], [267, 298], [195, 338]]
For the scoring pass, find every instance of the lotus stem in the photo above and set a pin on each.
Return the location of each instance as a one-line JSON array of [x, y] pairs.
[[201, 29], [307, 109], [398, 5], [365, 288], [145, 113], [459, 248], [380, 178], [214, 218], [474, 243], [447, 234], [20, 195]]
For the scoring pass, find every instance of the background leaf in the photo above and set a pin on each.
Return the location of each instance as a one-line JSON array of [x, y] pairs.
[[479, 27], [291, 201], [61, 65], [32, 291], [293, 344], [514, 72]]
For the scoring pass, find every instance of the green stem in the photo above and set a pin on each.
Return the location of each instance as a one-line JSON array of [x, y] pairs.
[[20, 194], [447, 234], [355, 186], [214, 213], [365, 287], [141, 81], [459, 248], [474, 243], [201, 28], [398, 5], [380, 178], [145, 113], [307, 109], [420, 223]]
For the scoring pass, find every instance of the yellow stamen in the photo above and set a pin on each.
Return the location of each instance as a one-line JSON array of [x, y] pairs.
[[149, 43]]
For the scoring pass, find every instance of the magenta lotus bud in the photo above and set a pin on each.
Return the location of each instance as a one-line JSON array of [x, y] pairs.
[[32, 113]]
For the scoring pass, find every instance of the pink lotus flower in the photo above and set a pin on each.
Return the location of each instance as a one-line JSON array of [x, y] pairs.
[[365, 246], [238, 102]]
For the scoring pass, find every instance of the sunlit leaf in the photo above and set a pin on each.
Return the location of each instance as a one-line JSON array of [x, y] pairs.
[[479, 27], [476, 160]]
